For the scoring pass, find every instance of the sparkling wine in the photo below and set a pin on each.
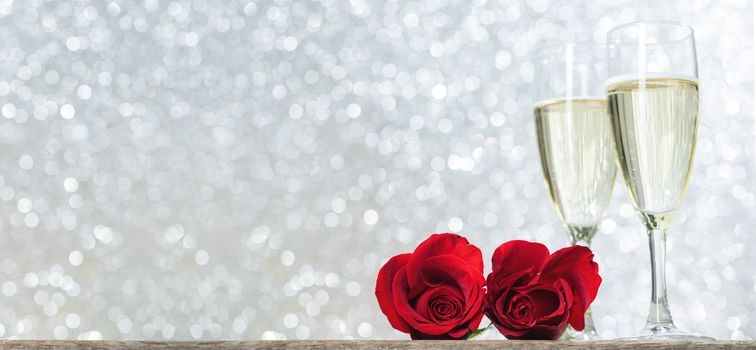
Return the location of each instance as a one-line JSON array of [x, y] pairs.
[[577, 158], [654, 120]]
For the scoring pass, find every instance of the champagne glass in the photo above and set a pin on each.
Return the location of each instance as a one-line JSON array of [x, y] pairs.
[[653, 102], [575, 141]]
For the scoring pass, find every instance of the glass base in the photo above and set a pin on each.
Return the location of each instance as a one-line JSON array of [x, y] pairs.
[[667, 333], [586, 334]]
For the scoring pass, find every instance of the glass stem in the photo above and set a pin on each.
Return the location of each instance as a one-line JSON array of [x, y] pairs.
[[581, 235], [590, 329], [658, 313], [581, 242]]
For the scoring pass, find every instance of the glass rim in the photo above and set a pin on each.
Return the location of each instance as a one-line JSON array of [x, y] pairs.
[[660, 22]]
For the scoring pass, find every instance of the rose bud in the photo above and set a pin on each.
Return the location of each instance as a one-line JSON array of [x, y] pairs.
[[534, 295], [436, 292]]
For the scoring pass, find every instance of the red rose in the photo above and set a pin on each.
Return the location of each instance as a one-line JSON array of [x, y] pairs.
[[534, 295], [436, 292]]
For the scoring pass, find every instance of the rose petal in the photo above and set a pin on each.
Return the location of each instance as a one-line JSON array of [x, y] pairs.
[[546, 301], [521, 303], [442, 244], [541, 332], [451, 270], [516, 256], [519, 273], [476, 307], [402, 301], [415, 335], [421, 304], [561, 290], [444, 309], [576, 266], [384, 291], [498, 295], [507, 326], [461, 332], [419, 323], [548, 327]]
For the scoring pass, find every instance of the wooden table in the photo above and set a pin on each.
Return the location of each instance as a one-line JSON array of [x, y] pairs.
[[366, 345]]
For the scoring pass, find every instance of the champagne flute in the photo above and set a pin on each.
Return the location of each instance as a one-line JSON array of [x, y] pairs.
[[575, 141], [653, 102]]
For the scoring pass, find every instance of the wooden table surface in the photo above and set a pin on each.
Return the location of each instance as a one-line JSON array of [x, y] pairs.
[[366, 345]]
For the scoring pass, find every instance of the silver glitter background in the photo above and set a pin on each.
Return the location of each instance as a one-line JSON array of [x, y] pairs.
[[212, 169]]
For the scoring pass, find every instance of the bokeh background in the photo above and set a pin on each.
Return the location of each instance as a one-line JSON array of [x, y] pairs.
[[230, 169]]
